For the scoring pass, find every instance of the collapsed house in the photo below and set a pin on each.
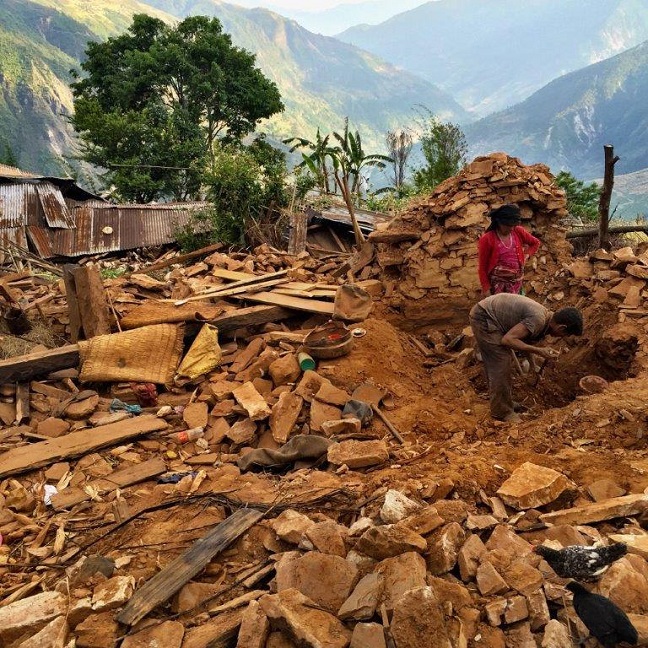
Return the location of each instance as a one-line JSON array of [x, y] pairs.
[[55, 217]]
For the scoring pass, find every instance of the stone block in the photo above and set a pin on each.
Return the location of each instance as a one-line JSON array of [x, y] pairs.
[[362, 603], [401, 574], [112, 593], [358, 454], [626, 506], [532, 486], [417, 618], [53, 635], [390, 540], [255, 627], [444, 546], [251, 401], [325, 579], [284, 370], [291, 525], [469, 557], [489, 581], [29, 615], [396, 507], [294, 614], [284, 415], [368, 635], [168, 634]]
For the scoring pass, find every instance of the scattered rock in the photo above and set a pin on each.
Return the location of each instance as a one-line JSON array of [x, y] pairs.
[[381, 542], [296, 615], [532, 486], [396, 507], [417, 618], [358, 454], [363, 601]]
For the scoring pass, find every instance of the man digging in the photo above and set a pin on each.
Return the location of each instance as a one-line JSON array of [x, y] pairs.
[[504, 323]]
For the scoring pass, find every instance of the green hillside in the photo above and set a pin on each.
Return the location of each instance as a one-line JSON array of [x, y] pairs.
[[321, 79], [566, 124]]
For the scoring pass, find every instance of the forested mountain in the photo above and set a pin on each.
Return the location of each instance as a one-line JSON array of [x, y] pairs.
[[566, 123], [321, 80], [491, 55]]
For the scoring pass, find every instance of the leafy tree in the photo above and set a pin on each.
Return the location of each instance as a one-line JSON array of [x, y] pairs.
[[154, 102], [244, 183], [399, 146], [582, 199], [349, 159], [444, 148]]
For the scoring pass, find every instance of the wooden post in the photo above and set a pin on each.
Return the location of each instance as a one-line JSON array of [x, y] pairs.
[[73, 306], [606, 195], [298, 231], [87, 303]]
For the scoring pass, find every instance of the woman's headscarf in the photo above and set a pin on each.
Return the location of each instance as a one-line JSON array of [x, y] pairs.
[[508, 214]]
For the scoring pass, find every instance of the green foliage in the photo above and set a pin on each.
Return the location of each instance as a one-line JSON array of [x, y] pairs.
[[155, 101], [315, 162], [444, 148], [582, 199], [112, 273], [244, 184], [391, 200]]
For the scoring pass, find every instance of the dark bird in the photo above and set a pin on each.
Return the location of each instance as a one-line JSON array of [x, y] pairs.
[[607, 622], [579, 562]]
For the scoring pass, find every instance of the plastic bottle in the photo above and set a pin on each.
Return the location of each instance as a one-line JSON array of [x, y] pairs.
[[305, 361], [188, 435]]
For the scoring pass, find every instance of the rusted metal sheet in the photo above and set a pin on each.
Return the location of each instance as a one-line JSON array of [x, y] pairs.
[[101, 227], [56, 211], [19, 205], [40, 238]]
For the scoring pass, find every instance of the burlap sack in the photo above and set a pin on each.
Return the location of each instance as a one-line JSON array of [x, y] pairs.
[[147, 354], [204, 355], [352, 303]]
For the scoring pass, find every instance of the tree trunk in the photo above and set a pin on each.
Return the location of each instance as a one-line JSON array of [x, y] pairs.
[[348, 199], [606, 195]]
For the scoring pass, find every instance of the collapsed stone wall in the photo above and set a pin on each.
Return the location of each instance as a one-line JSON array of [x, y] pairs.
[[430, 251]]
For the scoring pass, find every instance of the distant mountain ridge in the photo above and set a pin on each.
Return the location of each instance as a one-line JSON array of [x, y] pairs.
[[491, 55], [566, 123]]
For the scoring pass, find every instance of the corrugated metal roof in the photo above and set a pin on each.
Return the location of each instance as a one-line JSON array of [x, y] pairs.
[[54, 207], [19, 204], [109, 228], [367, 220], [15, 235]]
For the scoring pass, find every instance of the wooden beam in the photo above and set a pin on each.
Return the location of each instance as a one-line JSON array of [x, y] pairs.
[[298, 233], [606, 195], [231, 275], [132, 475], [73, 305], [242, 317], [617, 229], [295, 303], [168, 581], [235, 288], [179, 259], [29, 457], [26, 367]]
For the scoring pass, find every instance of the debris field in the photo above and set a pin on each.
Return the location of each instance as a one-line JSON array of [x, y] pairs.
[[193, 453]]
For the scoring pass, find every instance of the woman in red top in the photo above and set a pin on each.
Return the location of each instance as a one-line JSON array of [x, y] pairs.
[[503, 250]]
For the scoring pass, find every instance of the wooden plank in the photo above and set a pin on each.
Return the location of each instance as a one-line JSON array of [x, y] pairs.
[[232, 289], [168, 581], [132, 475], [179, 259], [296, 303], [75, 444], [26, 367], [242, 317], [22, 402], [231, 275]]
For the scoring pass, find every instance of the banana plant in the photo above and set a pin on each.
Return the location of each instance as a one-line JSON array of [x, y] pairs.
[[349, 159], [315, 161]]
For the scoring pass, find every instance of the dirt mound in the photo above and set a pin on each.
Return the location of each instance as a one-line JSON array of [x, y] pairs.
[[430, 251]]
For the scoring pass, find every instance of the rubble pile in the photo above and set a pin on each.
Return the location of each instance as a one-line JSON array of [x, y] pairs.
[[182, 475], [432, 247], [401, 569]]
